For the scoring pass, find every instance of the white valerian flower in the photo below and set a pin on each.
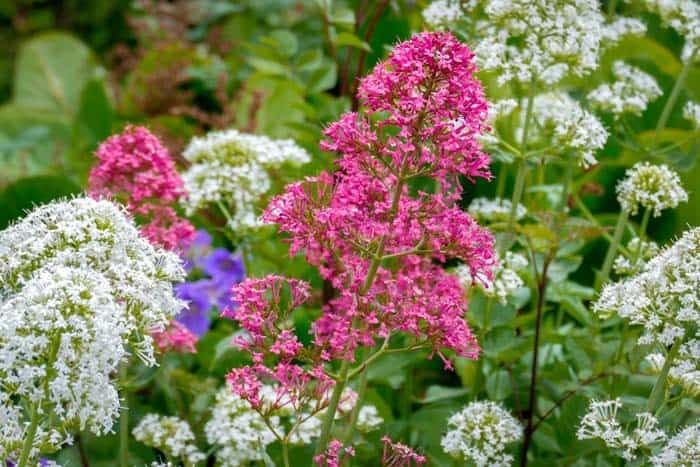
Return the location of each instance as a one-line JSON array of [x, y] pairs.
[[630, 93], [691, 112], [681, 450], [170, 435], [601, 422], [542, 41], [685, 367], [505, 277], [368, 418], [640, 253], [479, 434], [571, 127], [78, 287], [663, 296], [491, 211], [620, 27], [653, 187], [234, 168], [442, 14], [684, 17], [239, 433]]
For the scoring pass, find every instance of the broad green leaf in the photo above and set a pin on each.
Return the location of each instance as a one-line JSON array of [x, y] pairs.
[[351, 40], [498, 385], [438, 393], [51, 71]]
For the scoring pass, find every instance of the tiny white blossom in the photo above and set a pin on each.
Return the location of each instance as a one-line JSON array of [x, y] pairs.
[[442, 14], [683, 16], [170, 435], [614, 31], [235, 168], [691, 112], [505, 277], [479, 434], [368, 418], [653, 187], [640, 253], [630, 93], [682, 450]]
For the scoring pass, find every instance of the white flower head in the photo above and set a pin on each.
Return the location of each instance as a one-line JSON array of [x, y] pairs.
[[78, 287], [235, 169], [619, 28], [629, 94], [653, 187], [681, 15], [640, 253], [480, 432], [691, 112], [442, 14], [491, 211], [171, 435], [681, 450]]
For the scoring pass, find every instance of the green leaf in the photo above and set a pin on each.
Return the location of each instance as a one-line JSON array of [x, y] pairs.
[[436, 393], [51, 71], [323, 78], [351, 40], [646, 49], [498, 385], [268, 66]]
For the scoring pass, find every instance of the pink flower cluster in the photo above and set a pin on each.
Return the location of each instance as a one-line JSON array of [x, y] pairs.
[[332, 457], [136, 170], [400, 455], [264, 309], [369, 231], [175, 338]]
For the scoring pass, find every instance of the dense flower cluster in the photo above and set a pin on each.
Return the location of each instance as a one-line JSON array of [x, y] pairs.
[[77, 285], [442, 14], [170, 435], [348, 223], [630, 93], [479, 434], [492, 211], [568, 125], [684, 17], [663, 296], [619, 28], [652, 187], [601, 422], [685, 367], [681, 450], [236, 169], [542, 41], [136, 170], [640, 252]]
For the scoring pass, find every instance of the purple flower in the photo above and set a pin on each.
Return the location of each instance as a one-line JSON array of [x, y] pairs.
[[199, 249], [199, 296], [222, 265]]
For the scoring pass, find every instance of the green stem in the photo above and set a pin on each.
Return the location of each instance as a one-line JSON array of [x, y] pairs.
[[675, 92], [124, 419], [352, 422], [517, 193], [285, 454], [612, 249], [657, 394], [332, 407], [29, 438], [611, 8], [642, 235]]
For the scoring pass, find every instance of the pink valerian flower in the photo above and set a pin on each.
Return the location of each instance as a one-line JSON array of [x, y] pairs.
[[332, 457], [135, 169], [423, 112], [175, 338], [400, 455]]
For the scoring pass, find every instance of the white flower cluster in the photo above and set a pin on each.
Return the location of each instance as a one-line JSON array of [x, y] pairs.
[[653, 187], [684, 17], [630, 93], [480, 432], [691, 112], [442, 14], [614, 31], [235, 169], [170, 435], [542, 41], [640, 253], [601, 422], [505, 277], [685, 367], [571, 127], [491, 211], [681, 450], [663, 297], [238, 432], [368, 419], [77, 286]]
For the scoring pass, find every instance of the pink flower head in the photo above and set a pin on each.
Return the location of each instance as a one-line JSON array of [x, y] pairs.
[[175, 338], [332, 457], [400, 455], [134, 168]]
